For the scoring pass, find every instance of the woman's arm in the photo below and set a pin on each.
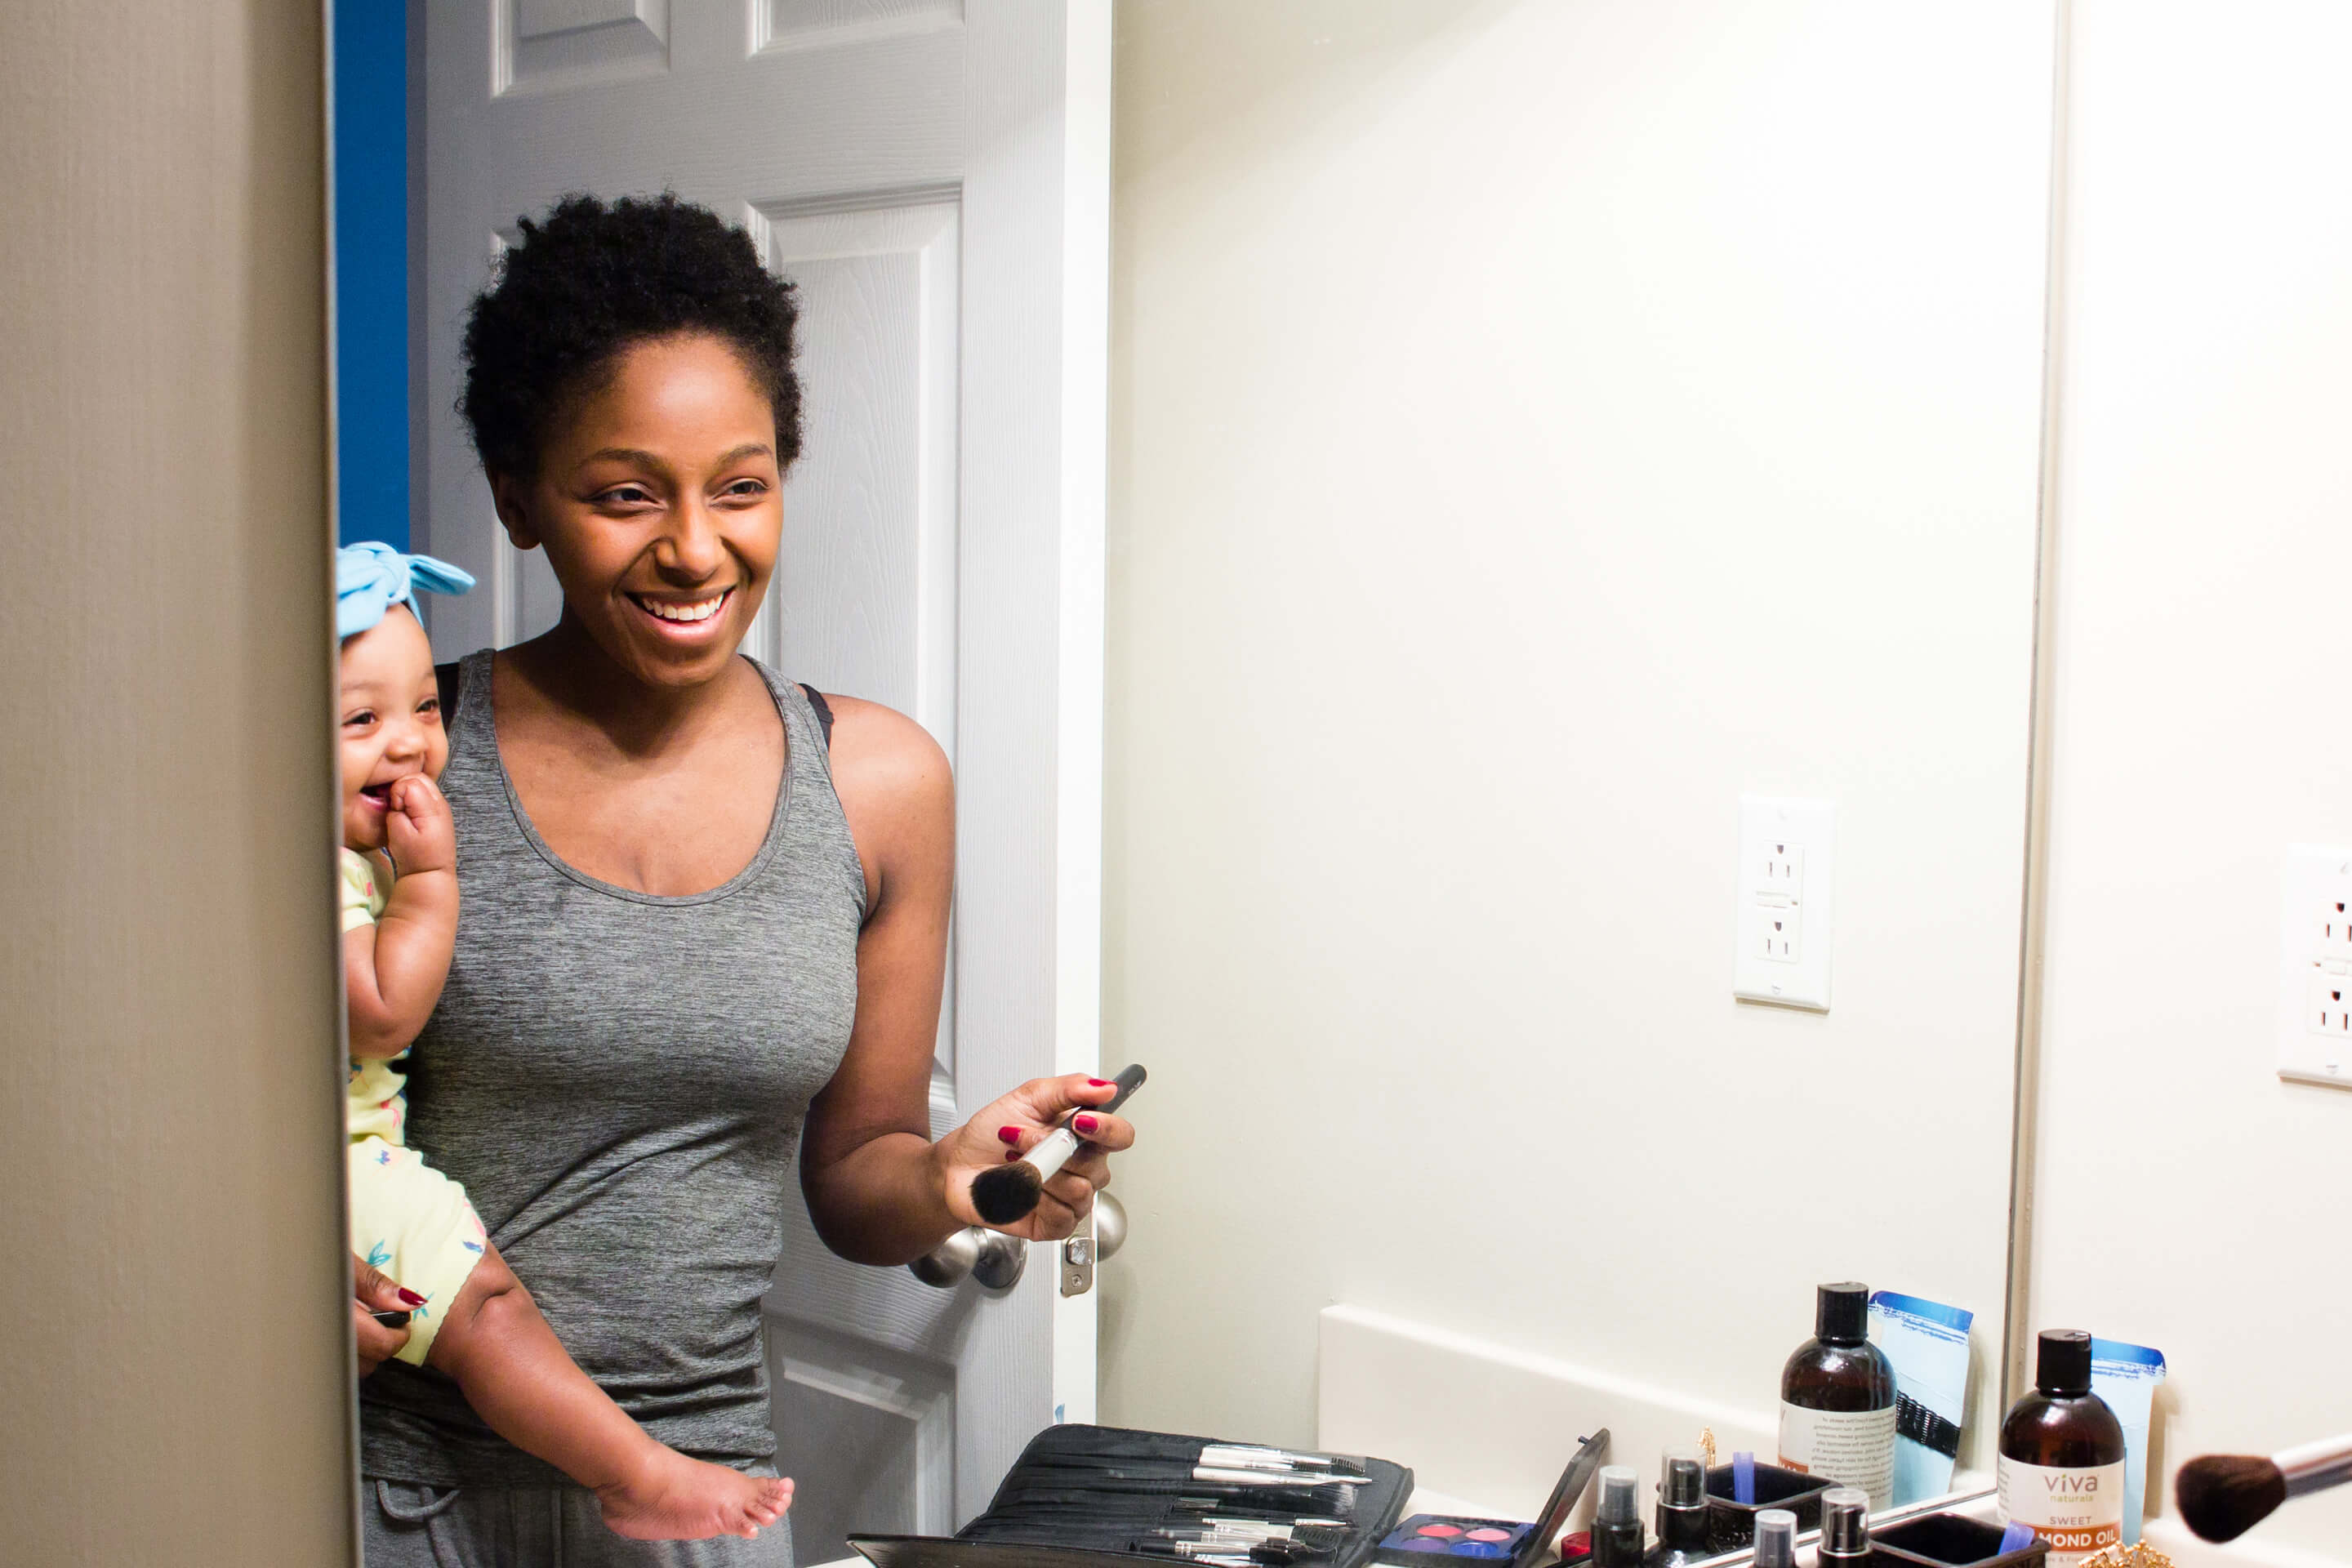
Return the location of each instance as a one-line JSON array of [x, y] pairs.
[[878, 1189]]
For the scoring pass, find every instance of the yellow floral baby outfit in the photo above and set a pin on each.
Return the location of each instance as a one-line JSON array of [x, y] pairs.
[[407, 1219]]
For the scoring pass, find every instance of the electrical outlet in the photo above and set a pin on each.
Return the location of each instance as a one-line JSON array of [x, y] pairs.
[[2334, 925], [1781, 872], [1786, 855], [2323, 1009], [2316, 966]]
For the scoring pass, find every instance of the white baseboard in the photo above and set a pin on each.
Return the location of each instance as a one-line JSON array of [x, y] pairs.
[[1488, 1428]]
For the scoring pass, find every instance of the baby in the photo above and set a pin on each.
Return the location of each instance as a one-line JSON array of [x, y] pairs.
[[476, 1322]]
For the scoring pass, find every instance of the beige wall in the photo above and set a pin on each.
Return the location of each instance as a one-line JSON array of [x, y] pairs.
[[175, 1380], [1533, 426], [2187, 1198]]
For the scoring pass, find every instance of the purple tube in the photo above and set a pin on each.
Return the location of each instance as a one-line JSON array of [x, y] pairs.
[[1743, 1478]]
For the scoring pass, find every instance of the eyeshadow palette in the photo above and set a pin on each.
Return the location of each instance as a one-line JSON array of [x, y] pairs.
[[1430, 1537], [1426, 1536]]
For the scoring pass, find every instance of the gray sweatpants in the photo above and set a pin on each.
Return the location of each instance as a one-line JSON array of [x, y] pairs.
[[407, 1526]]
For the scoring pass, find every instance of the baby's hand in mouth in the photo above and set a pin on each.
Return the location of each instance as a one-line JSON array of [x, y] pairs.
[[419, 833]]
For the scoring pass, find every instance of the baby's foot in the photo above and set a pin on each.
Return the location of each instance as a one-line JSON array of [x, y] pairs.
[[673, 1498]]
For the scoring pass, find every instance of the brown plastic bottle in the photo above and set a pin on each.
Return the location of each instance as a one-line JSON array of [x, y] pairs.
[[1837, 1398], [2061, 1454]]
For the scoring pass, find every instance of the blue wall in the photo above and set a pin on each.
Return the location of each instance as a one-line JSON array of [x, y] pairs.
[[371, 52]]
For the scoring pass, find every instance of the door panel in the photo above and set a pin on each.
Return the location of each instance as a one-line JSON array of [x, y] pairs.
[[867, 1434], [814, 24], [864, 599], [853, 138], [543, 46]]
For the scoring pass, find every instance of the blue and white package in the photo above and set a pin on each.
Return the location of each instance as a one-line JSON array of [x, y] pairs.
[[1928, 1344], [2125, 1376]]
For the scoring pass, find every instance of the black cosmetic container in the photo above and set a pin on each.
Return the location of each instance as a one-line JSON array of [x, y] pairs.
[[1950, 1541], [1731, 1524]]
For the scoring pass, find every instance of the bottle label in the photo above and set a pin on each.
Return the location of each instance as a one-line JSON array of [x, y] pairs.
[[1852, 1448], [2078, 1511]]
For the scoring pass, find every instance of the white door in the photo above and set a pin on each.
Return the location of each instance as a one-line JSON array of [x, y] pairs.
[[935, 176]]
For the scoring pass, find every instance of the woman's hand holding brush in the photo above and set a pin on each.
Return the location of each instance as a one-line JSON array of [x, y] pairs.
[[1006, 1134]]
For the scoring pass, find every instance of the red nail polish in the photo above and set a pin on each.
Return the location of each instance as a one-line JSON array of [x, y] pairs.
[[1099, 1082], [1084, 1124], [410, 1296], [1012, 1154], [1008, 1135]]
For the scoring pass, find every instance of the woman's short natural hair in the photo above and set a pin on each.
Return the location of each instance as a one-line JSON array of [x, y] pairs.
[[591, 280]]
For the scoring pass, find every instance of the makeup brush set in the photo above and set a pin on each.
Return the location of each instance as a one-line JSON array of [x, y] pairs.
[[1084, 1496]]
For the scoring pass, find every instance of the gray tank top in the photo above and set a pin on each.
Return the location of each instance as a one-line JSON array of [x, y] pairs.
[[620, 1080]]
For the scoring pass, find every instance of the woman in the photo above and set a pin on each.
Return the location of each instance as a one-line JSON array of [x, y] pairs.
[[695, 929]]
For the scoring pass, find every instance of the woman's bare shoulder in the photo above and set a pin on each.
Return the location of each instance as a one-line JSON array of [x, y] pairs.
[[892, 777]]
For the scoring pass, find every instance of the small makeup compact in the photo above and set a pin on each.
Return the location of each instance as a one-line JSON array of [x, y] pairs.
[[1441, 1535], [1522, 1543]]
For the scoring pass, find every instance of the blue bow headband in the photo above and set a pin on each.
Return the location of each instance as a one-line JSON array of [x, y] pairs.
[[371, 578]]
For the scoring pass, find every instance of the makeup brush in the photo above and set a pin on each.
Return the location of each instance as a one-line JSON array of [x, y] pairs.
[[1215, 1511], [1186, 1552], [1323, 1541], [1223, 1476], [1302, 1494], [1329, 1531], [1009, 1194], [1253, 1456], [1322, 1501], [2222, 1496], [1221, 1547], [1320, 1536]]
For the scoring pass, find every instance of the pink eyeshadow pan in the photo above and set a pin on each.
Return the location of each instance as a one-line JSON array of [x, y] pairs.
[[1447, 1532], [1490, 1535]]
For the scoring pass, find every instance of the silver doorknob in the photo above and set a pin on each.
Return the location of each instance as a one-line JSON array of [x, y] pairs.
[[995, 1259], [1002, 1261], [945, 1265], [1110, 1226]]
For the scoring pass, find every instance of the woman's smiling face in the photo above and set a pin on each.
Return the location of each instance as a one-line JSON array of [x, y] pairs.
[[657, 502]]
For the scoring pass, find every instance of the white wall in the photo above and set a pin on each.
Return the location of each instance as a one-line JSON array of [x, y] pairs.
[[2187, 1198], [1534, 425]]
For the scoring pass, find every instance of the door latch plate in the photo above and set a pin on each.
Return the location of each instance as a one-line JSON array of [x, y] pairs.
[[1078, 1264]]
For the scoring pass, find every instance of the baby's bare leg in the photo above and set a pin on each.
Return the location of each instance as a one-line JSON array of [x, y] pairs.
[[516, 1375]]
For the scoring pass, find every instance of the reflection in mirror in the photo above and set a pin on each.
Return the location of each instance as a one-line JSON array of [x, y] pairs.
[[1557, 452], [1561, 730]]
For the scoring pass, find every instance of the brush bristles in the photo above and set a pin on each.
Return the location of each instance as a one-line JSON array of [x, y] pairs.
[[2222, 1496], [1007, 1193]]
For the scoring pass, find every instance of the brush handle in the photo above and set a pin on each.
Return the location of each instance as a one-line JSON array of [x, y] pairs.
[[1053, 1150], [2315, 1467], [1251, 1455], [1053, 1153], [1130, 1079]]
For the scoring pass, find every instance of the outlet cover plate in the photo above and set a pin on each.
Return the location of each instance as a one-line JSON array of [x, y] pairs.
[[2314, 903], [1786, 853]]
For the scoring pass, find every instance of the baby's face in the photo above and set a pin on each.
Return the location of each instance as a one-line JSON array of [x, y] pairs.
[[389, 719]]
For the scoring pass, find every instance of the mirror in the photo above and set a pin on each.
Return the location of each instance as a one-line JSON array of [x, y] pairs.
[[1529, 433], [1535, 429]]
